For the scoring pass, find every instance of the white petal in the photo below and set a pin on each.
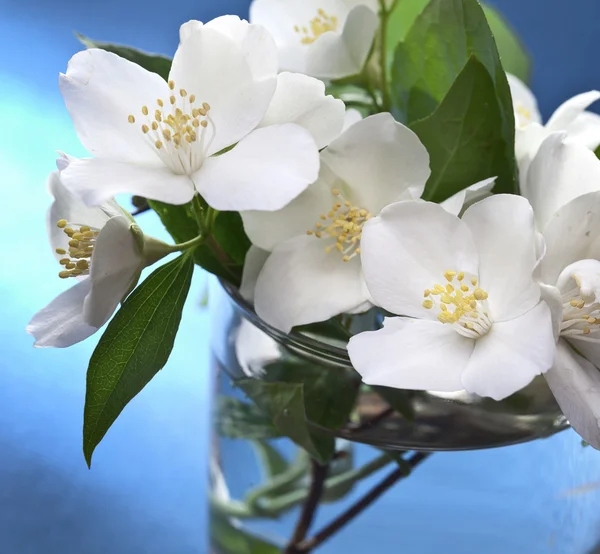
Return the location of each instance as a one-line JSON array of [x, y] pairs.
[[568, 112], [571, 235], [253, 264], [96, 180], [466, 197], [300, 284], [575, 383], [115, 268], [511, 355], [265, 171], [412, 354], [101, 90], [527, 143], [553, 298], [585, 130], [352, 116], [268, 229], [61, 324], [301, 99], [189, 28], [408, 248], [559, 173], [584, 274], [255, 42], [504, 232], [524, 101], [380, 160], [69, 207], [454, 204], [590, 350], [213, 67], [335, 56]]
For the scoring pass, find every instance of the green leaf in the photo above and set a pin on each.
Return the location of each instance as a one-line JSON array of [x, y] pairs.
[[400, 400], [400, 21], [156, 63], [513, 54], [271, 461], [229, 538], [440, 43], [225, 251], [285, 404], [464, 135], [235, 419], [135, 346]]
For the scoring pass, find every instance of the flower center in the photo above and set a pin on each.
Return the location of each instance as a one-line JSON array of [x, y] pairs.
[[460, 303], [524, 113], [317, 26], [344, 223], [78, 255], [581, 316], [178, 130]]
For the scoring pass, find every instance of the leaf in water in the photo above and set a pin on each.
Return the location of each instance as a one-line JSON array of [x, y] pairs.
[[271, 461], [437, 48], [398, 399], [513, 54], [135, 346], [464, 135], [156, 63], [235, 419], [227, 537]]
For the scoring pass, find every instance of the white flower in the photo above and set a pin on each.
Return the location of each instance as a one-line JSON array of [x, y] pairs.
[[562, 186], [314, 270], [473, 316], [462, 200], [104, 252], [223, 125], [328, 39], [582, 127]]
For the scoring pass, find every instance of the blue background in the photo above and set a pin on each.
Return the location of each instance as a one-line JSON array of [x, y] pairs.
[[145, 492]]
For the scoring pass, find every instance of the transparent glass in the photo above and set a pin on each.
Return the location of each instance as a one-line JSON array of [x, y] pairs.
[[493, 478]]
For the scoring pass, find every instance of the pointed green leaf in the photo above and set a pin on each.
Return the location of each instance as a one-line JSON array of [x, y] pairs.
[[235, 419], [464, 135], [228, 537], [135, 346], [156, 63]]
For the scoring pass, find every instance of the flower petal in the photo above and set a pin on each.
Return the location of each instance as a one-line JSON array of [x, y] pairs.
[[380, 160], [115, 268], [101, 90], [268, 229], [301, 99], [352, 116], [575, 383], [512, 353], [411, 354], [585, 130], [560, 172], [571, 235], [527, 143], [408, 248], [96, 180], [466, 197], [568, 112], [61, 324], [253, 264], [503, 229], [525, 102], [213, 67], [300, 284], [265, 171], [69, 207]]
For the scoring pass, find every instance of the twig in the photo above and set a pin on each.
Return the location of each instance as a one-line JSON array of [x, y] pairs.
[[340, 522], [319, 474], [374, 421]]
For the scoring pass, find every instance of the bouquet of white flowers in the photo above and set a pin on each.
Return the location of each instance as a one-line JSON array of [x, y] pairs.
[[328, 160]]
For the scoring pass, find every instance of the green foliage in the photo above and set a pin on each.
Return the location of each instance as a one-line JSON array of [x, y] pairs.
[[235, 419], [302, 400], [134, 347], [400, 400], [464, 135], [152, 62], [448, 68], [513, 54], [229, 538], [400, 21]]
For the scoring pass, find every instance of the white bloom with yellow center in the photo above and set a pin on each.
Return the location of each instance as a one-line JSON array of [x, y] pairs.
[[472, 315], [562, 187], [314, 270], [104, 252], [582, 127], [223, 124], [328, 39]]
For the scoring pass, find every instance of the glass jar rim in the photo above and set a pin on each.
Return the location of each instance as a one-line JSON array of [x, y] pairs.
[[295, 340]]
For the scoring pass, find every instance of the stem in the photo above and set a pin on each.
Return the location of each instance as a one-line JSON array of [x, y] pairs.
[[374, 421], [319, 474], [385, 89], [360, 506], [194, 243]]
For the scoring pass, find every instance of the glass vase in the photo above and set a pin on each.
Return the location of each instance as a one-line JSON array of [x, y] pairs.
[[305, 458]]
